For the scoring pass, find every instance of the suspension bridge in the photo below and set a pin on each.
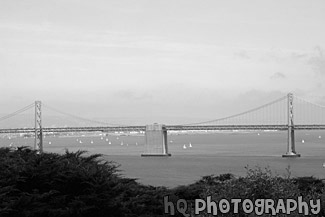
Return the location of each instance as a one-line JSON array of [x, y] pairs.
[[288, 113]]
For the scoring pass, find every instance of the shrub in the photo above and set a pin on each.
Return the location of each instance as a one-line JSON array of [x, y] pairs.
[[71, 184], [260, 184]]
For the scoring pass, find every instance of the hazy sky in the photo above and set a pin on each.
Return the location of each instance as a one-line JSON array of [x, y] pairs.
[[160, 61]]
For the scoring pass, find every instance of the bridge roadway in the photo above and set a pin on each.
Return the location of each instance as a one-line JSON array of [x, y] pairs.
[[167, 127]]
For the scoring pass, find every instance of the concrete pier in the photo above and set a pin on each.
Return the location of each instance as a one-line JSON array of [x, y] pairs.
[[156, 141]]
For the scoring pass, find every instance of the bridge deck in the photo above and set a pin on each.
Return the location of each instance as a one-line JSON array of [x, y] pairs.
[[168, 127]]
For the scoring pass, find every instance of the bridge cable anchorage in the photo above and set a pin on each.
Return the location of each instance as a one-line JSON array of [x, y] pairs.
[[17, 112], [81, 118], [239, 114]]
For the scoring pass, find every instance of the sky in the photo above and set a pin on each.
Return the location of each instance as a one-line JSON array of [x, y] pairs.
[[171, 62]]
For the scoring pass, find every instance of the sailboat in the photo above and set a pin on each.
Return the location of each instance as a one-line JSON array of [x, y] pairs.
[[184, 146], [302, 141], [91, 141], [190, 145], [80, 141], [109, 142]]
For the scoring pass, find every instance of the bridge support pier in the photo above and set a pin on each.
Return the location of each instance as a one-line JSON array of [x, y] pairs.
[[38, 128], [291, 149], [156, 141]]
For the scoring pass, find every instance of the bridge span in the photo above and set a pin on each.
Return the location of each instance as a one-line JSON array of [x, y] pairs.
[[260, 118], [166, 127]]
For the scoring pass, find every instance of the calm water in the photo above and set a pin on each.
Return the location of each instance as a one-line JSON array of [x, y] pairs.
[[214, 153]]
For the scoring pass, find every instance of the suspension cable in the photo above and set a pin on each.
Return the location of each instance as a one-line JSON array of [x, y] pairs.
[[239, 114], [315, 104], [17, 112], [80, 118]]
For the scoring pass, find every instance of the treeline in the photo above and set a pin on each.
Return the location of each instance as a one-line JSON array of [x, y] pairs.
[[77, 184]]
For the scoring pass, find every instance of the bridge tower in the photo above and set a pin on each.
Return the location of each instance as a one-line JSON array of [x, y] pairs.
[[156, 141], [38, 127], [291, 149]]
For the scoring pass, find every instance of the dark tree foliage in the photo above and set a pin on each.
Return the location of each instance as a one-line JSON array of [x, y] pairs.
[[309, 183], [77, 184], [71, 184]]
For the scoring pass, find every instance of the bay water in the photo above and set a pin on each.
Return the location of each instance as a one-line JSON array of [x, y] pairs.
[[195, 155]]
